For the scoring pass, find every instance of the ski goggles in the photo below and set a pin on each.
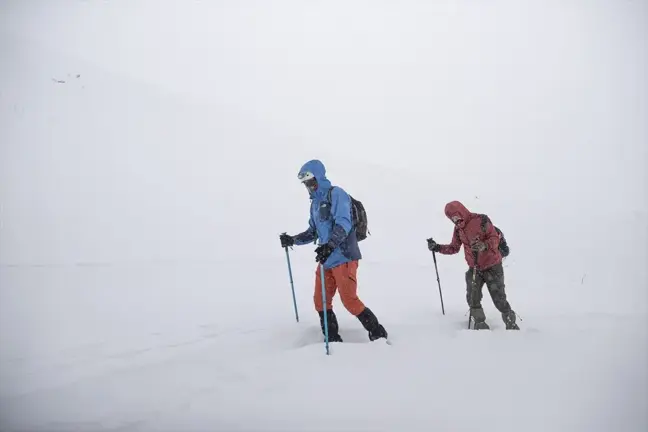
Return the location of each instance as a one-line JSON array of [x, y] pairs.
[[305, 176], [308, 179], [456, 219]]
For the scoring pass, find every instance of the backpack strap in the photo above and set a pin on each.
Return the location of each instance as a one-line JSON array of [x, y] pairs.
[[484, 221], [328, 196]]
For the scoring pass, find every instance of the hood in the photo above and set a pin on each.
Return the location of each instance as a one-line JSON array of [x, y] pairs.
[[456, 208], [319, 171]]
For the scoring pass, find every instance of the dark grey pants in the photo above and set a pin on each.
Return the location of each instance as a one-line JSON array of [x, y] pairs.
[[493, 277]]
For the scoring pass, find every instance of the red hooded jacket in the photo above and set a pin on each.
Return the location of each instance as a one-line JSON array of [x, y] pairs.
[[468, 230]]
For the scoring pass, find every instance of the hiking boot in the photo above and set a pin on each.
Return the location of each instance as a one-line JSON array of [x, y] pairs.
[[481, 325], [479, 319], [335, 338], [371, 324], [377, 333], [333, 335], [509, 320]]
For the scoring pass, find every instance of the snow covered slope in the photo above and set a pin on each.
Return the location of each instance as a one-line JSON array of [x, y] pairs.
[[148, 160]]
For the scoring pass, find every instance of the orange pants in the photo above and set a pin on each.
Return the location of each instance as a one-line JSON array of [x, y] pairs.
[[342, 278]]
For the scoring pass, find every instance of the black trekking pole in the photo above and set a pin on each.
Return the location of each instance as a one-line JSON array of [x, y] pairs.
[[474, 284], [438, 281]]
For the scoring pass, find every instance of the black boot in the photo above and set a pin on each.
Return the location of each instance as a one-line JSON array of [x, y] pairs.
[[333, 329], [509, 320], [371, 324], [479, 319]]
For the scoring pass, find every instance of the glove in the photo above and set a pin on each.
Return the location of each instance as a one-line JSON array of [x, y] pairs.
[[323, 253], [286, 240], [478, 246], [433, 246]]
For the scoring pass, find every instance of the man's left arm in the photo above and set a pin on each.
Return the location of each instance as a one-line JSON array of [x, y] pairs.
[[341, 211], [491, 237]]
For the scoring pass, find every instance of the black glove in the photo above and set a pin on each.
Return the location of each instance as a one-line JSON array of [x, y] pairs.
[[433, 246], [323, 253], [286, 240]]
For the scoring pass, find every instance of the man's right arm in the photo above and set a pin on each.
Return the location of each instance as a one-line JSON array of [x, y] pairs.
[[307, 236], [453, 247]]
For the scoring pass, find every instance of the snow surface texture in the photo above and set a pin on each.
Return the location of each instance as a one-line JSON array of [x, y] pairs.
[[148, 161]]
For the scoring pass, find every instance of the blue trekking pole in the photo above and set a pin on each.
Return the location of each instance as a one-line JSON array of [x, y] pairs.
[[292, 285], [326, 335]]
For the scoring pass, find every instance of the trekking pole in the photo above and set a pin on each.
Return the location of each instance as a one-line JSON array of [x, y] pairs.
[[474, 284], [326, 334], [438, 281], [292, 285]]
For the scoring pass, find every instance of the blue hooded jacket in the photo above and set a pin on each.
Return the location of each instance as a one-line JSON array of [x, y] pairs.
[[332, 222]]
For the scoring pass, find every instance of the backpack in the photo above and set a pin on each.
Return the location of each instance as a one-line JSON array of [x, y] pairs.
[[358, 217], [503, 245]]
